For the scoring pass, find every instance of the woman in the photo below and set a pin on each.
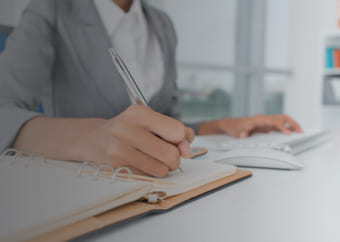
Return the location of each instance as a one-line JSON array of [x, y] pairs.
[[61, 45]]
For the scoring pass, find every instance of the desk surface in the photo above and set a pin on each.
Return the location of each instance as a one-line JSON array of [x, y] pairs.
[[271, 206]]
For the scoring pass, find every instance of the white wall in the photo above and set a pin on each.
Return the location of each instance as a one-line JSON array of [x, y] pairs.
[[278, 24], [206, 29], [310, 21]]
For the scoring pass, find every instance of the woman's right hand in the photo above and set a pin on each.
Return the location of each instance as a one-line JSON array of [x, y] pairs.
[[143, 140], [139, 138]]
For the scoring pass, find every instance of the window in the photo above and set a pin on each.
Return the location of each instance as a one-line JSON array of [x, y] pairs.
[[233, 56], [274, 90], [205, 94], [205, 55], [277, 55]]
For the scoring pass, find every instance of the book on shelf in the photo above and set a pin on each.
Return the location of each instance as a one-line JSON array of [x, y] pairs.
[[336, 58], [329, 58], [332, 60]]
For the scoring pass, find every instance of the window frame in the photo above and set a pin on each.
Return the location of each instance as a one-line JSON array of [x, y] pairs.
[[249, 68]]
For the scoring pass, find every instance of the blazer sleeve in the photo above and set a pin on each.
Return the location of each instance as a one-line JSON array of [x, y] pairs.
[[25, 67]]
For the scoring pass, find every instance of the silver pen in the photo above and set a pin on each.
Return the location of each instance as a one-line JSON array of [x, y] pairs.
[[131, 85]]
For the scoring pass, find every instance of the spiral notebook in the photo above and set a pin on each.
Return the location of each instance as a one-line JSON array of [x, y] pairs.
[[39, 196]]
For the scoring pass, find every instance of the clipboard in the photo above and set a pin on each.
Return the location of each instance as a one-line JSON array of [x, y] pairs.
[[138, 209]]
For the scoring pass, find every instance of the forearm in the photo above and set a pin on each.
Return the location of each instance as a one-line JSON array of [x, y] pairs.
[[243, 127], [221, 126], [209, 127], [139, 138], [55, 138]]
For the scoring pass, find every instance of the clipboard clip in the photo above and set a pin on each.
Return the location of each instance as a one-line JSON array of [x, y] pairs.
[[155, 197]]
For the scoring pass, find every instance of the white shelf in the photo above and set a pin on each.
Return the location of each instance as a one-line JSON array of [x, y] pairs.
[[335, 33], [332, 72], [333, 40], [331, 108]]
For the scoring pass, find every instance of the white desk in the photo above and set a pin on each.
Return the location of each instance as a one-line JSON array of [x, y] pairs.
[[270, 206]]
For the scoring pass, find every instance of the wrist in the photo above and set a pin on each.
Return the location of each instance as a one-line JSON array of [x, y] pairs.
[[210, 127], [78, 146]]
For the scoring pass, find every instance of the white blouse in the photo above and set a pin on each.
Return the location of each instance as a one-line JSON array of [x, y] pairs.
[[135, 42]]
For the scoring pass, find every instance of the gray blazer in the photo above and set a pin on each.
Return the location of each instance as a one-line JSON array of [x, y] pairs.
[[60, 48]]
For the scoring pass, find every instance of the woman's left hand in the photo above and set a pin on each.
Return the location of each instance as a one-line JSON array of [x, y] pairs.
[[244, 127]]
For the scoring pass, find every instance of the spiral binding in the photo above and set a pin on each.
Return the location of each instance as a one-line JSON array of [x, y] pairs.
[[13, 156], [95, 177], [83, 165], [100, 167], [115, 174]]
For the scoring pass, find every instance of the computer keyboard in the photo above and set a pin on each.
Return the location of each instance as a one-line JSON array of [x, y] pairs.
[[293, 144], [300, 145]]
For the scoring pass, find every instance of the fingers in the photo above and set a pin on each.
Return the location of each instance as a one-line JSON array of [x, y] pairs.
[[168, 128], [286, 124], [244, 134], [184, 149], [267, 123], [184, 146], [282, 127], [249, 127], [137, 172], [261, 130], [189, 134], [293, 125], [153, 146], [156, 135], [131, 157], [139, 138]]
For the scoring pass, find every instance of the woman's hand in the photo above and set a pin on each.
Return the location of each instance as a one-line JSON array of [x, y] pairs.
[[139, 138], [244, 127]]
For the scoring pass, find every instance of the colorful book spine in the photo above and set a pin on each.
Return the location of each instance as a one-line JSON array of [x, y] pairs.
[[329, 58], [332, 58], [336, 58]]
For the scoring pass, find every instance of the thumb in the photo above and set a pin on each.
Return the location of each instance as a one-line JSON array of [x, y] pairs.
[[249, 124], [246, 130], [244, 134], [184, 148], [189, 134]]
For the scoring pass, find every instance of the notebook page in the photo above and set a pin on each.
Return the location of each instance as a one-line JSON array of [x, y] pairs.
[[195, 173], [37, 199]]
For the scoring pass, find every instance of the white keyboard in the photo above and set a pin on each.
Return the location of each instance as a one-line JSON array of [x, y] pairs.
[[293, 144]]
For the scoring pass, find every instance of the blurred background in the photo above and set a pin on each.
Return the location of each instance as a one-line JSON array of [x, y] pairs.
[[244, 57]]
